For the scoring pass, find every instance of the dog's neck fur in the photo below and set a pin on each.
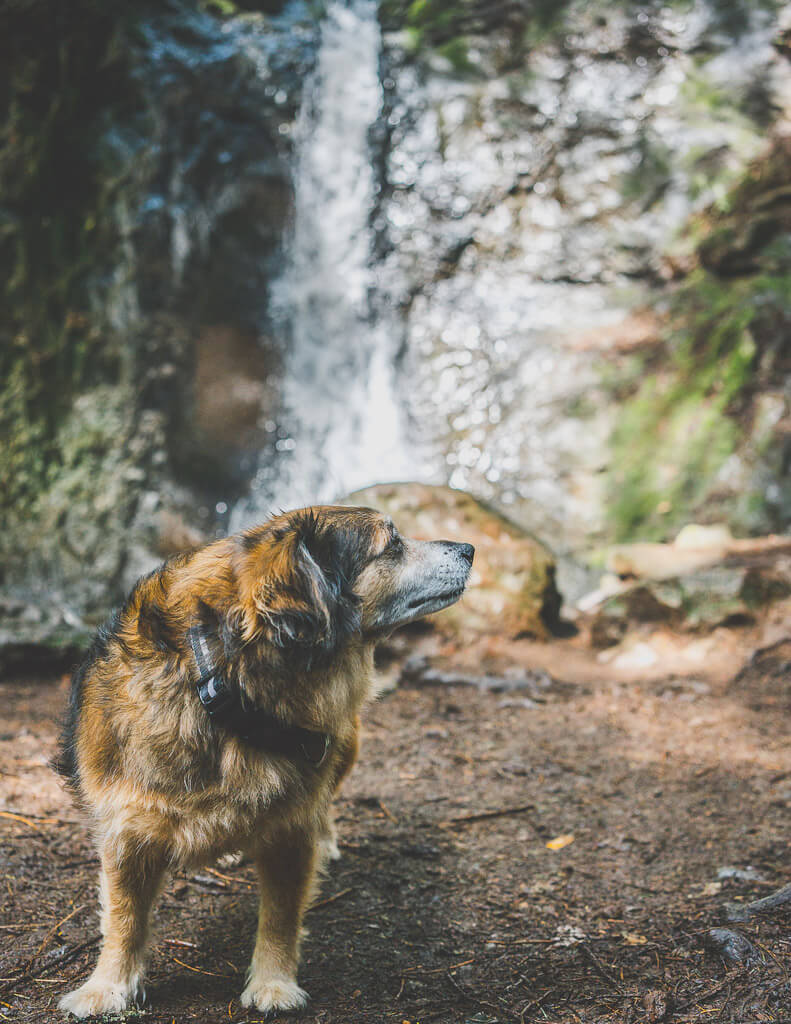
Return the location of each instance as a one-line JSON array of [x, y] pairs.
[[323, 698]]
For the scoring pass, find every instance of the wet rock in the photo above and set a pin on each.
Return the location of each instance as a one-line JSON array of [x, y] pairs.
[[748, 874], [126, 429], [733, 947], [512, 587]]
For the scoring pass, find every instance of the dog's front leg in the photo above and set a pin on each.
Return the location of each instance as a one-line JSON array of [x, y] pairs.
[[286, 873], [130, 879]]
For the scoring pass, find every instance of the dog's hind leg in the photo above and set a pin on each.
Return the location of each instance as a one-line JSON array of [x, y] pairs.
[[286, 875], [130, 880]]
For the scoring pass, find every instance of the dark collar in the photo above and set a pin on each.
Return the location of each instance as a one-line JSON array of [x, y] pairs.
[[225, 706]]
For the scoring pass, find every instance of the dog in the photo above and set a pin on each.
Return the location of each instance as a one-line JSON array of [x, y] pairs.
[[217, 711]]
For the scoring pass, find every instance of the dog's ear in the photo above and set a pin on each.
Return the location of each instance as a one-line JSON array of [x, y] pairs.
[[302, 597]]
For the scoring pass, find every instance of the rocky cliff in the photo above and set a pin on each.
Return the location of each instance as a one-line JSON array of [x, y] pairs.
[[578, 272]]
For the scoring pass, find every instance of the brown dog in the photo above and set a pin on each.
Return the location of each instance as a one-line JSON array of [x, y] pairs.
[[217, 711]]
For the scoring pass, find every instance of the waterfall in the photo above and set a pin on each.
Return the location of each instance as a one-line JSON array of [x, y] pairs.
[[340, 425]]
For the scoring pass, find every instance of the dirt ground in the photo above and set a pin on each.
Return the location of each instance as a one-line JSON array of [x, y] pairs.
[[449, 903]]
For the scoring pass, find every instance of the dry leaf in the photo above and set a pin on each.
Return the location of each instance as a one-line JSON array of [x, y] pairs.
[[560, 841]]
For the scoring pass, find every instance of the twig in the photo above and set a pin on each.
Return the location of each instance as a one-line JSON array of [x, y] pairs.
[[197, 970], [387, 811], [54, 931], [472, 998], [67, 958], [602, 970], [733, 976], [25, 821], [501, 812], [332, 899], [532, 1003], [229, 878]]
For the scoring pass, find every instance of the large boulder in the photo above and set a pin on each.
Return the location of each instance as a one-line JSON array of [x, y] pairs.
[[512, 588]]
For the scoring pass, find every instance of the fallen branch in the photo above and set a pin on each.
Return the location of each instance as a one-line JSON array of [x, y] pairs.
[[741, 912], [501, 812]]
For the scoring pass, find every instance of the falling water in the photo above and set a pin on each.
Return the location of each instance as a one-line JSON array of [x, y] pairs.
[[340, 426]]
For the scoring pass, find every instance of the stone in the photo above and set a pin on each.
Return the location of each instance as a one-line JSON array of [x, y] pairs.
[[512, 588]]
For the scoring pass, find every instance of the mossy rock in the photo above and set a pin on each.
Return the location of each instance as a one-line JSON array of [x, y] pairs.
[[719, 595], [512, 588]]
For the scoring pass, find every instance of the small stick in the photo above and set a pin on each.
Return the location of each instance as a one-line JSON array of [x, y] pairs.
[[197, 970], [388, 812], [229, 878], [601, 969], [475, 999], [25, 821], [532, 1003], [67, 957], [680, 1007], [501, 812], [54, 931], [332, 899]]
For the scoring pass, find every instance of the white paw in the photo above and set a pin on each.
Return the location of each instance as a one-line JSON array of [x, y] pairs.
[[269, 994], [231, 860], [96, 997], [328, 848]]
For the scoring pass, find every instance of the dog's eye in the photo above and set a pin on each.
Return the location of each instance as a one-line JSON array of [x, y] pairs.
[[394, 547]]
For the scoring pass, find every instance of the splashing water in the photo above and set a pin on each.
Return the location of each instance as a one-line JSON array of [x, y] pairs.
[[341, 424]]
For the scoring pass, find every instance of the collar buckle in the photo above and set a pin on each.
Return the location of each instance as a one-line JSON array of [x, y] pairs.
[[315, 748]]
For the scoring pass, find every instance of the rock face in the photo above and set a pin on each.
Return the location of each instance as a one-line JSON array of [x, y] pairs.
[[145, 186], [539, 169], [512, 587], [579, 250]]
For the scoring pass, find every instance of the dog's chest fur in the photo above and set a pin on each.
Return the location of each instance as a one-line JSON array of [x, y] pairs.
[[159, 765]]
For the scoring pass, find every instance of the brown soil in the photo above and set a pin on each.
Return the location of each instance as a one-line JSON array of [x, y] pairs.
[[448, 905]]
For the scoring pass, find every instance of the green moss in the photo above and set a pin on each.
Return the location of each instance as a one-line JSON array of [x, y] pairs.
[[726, 342], [650, 176], [457, 52], [223, 8], [60, 81]]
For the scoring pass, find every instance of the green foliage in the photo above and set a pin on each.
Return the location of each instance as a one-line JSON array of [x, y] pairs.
[[59, 76], [456, 51], [676, 433]]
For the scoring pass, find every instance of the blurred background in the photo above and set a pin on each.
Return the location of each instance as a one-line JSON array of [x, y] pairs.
[[262, 254], [517, 272]]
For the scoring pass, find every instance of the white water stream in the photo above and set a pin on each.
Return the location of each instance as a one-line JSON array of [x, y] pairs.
[[341, 425]]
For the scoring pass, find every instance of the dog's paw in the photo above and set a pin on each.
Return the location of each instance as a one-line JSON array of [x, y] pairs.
[[328, 848], [273, 993], [96, 997]]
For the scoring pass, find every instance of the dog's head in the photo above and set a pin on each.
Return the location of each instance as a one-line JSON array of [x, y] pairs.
[[315, 578]]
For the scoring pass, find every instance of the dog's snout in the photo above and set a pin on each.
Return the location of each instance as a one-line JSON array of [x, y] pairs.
[[467, 551]]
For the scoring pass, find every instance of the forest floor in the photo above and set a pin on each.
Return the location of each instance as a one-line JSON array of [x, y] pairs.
[[450, 904]]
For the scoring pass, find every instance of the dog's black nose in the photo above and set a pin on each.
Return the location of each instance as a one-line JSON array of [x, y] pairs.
[[467, 552]]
